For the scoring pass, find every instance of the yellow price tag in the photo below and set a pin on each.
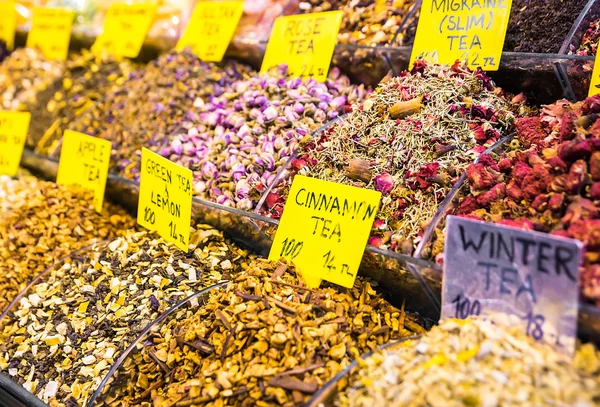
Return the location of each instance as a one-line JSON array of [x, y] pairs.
[[84, 162], [211, 28], [125, 29], [13, 132], [595, 82], [51, 31], [8, 23], [324, 229], [165, 203], [305, 43], [467, 30]]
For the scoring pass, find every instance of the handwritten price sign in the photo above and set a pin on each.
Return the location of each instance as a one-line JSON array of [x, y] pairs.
[[471, 31], [13, 132], [8, 23], [125, 29], [165, 203], [324, 229], [51, 32], [304, 42], [492, 269]]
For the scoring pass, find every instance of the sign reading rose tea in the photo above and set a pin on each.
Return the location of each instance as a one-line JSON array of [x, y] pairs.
[[324, 229], [305, 43], [492, 269], [211, 28], [467, 30], [165, 203], [84, 162], [8, 23], [13, 132], [125, 29], [51, 31]]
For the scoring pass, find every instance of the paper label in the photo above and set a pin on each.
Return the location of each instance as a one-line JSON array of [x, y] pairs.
[[125, 28], [305, 43], [490, 269], [165, 203], [8, 23], [324, 229], [84, 162], [51, 31], [13, 132], [595, 81], [211, 28], [467, 30]]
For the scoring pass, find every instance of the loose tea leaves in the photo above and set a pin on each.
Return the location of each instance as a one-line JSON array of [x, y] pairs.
[[263, 340]]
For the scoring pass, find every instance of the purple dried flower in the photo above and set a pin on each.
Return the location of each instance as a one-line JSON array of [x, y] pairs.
[[209, 170], [177, 147], [320, 116], [270, 114], [384, 183]]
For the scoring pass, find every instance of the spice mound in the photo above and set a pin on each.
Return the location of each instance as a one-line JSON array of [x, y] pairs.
[[49, 222], [411, 139], [68, 329], [471, 363], [263, 340]]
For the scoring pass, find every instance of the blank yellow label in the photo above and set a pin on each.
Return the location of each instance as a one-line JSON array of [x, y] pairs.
[[125, 28], [84, 162], [467, 30], [165, 204], [324, 229], [8, 22], [211, 28], [13, 132], [595, 82], [51, 31], [305, 43]]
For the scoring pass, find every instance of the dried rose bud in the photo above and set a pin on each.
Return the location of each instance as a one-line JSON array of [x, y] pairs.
[[497, 192], [595, 165], [580, 209], [478, 132], [574, 150], [557, 164], [468, 205], [384, 183], [595, 191], [558, 184], [556, 201], [359, 169], [536, 182], [577, 177], [514, 191], [540, 203]]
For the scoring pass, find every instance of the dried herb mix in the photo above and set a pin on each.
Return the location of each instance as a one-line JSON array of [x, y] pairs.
[[66, 332], [411, 139], [474, 363], [44, 223], [263, 340]]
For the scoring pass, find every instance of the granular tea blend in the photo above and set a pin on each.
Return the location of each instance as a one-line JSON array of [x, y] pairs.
[[264, 340]]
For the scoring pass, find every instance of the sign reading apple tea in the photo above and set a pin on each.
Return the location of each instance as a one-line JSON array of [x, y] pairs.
[[465, 30], [492, 269], [324, 229], [165, 203], [13, 132], [305, 43]]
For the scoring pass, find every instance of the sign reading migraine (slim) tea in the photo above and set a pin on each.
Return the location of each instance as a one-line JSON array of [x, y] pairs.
[[211, 28], [305, 43], [8, 23], [324, 229], [125, 28], [51, 31], [165, 203], [84, 162], [493, 269], [465, 30], [13, 132]]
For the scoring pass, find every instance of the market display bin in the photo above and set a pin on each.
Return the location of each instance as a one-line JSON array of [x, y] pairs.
[[14, 395]]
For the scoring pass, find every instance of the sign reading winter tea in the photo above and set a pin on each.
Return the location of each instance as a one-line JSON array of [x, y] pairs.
[[8, 23], [324, 229], [84, 162], [493, 269], [13, 132], [125, 29], [467, 30], [165, 203], [211, 28], [51, 31], [305, 43]]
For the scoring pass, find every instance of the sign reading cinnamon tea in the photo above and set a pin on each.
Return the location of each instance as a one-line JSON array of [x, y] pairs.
[[13, 132], [305, 43], [51, 31], [465, 30], [8, 23], [324, 229], [211, 28]]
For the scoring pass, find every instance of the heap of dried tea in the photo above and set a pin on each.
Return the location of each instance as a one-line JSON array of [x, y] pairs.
[[411, 139], [263, 340], [49, 222], [472, 363], [87, 78], [68, 329], [589, 40], [23, 75]]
